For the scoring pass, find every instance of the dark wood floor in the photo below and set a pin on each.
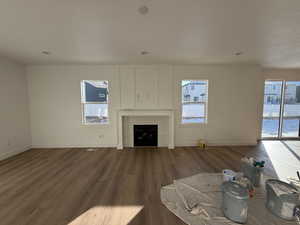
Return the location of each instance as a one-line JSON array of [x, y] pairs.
[[103, 187]]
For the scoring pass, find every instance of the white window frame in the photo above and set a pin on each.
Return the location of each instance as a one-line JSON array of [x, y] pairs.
[[281, 111], [205, 104], [83, 102]]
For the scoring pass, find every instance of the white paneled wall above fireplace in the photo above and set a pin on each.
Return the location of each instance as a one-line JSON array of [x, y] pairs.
[[146, 87]]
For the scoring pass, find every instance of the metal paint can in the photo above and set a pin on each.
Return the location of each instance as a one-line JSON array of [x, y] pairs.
[[235, 202], [252, 173], [282, 198]]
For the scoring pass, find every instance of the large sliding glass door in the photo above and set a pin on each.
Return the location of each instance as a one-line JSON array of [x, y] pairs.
[[291, 109], [272, 109], [281, 112]]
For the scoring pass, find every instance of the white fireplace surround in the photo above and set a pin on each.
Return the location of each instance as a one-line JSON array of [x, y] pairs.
[[127, 113]]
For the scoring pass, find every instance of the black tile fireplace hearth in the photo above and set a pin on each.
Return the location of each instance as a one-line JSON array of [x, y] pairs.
[[145, 135]]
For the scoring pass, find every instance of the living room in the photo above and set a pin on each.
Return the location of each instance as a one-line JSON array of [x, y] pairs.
[[99, 97]]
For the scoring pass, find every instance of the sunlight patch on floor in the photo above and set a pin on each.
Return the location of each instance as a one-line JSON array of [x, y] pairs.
[[294, 146], [284, 161], [102, 215]]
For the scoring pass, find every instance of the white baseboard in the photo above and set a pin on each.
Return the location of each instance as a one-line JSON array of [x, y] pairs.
[[182, 144], [221, 143], [71, 146], [232, 143], [6, 155]]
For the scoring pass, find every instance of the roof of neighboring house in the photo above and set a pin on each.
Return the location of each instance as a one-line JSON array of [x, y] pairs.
[[195, 82], [97, 84]]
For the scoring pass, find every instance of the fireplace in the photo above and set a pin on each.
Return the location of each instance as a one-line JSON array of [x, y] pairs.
[[145, 135], [122, 114]]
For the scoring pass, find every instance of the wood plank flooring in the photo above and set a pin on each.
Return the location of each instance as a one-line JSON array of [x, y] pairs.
[[103, 187]]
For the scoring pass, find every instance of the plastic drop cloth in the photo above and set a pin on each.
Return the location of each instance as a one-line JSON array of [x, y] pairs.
[[197, 200]]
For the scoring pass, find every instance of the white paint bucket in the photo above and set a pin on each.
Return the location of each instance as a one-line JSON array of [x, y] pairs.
[[228, 175]]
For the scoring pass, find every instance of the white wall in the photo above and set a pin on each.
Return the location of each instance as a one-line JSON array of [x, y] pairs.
[[55, 107], [14, 110], [234, 102], [235, 95], [281, 74]]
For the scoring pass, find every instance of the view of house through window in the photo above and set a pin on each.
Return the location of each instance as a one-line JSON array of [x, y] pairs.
[[94, 99], [194, 101]]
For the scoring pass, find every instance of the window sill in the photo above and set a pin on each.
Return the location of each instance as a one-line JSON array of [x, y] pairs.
[[103, 125], [184, 125]]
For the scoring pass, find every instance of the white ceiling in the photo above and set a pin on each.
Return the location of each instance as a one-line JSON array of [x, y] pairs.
[[174, 31]]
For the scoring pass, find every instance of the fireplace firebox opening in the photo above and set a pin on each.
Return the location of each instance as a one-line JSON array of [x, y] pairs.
[[145, 135]]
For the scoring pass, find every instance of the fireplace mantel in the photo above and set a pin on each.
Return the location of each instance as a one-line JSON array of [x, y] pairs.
[[166, 113]]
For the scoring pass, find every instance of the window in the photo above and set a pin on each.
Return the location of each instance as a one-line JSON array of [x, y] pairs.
[[94, 101], [194, 105], [281, 115]]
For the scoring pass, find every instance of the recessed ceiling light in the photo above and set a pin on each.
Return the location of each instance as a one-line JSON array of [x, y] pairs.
[[46, 52], [144, 53], [238, 53], [143, 10]]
